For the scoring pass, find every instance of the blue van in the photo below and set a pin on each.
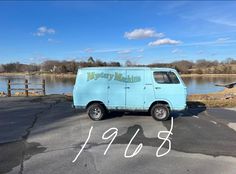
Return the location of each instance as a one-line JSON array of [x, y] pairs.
[[103, 89]]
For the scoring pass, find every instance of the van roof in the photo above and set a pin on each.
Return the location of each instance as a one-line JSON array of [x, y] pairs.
[[131, 68]]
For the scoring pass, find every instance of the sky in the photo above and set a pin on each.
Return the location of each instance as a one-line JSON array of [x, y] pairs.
[[140, 31]]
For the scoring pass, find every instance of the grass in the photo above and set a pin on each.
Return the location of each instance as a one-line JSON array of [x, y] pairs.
[[225, 98]]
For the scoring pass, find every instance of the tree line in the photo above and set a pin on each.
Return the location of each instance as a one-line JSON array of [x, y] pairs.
[[201, 66]]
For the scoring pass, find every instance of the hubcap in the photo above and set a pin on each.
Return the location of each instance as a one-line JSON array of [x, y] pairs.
[[95, 112], [160, 113]]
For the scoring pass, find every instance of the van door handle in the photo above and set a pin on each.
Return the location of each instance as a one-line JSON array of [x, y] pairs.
[[127, 87], [157, 87]]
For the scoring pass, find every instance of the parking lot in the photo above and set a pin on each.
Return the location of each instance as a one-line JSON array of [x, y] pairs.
[[43, 135]]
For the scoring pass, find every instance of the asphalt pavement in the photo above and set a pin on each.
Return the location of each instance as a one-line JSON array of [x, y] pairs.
[[44, 135]]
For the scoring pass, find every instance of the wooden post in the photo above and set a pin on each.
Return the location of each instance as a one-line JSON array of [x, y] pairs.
[[9, 88], [43, 86], [26, 88]]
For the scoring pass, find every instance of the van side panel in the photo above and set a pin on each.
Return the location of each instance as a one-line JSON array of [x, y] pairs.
[[116, 89], [135, 80], [126, 88], [91, 85], [149, 96]]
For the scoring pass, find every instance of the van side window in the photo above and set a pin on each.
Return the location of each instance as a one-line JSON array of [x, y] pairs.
[[166, 77]]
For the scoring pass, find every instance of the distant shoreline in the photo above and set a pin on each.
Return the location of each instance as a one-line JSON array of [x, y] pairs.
[[69, 75], [224, 98], [39, 74], [206, 75]]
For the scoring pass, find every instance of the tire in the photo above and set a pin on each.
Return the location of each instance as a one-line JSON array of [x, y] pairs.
[[160, 112], [96, 111]]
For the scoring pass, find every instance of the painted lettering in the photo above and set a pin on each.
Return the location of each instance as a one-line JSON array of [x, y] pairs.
[[114, 134], [137, 150], [117, 76], [162, 135]]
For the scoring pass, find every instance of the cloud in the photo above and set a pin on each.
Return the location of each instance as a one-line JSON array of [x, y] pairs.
[[128, 57], [142, 33], [216, 16], [88, 50], [140, 50], [106, 50], [171, 7], [176, 51], [114, 50], [127, 51], [119, 51], [43, 30], [50, 40], [37, 58], [165, 41], [222, 40], [223, 21], [91, 50]]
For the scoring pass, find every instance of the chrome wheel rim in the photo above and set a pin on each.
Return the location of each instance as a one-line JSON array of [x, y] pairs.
[[160, 113], [95, 112]]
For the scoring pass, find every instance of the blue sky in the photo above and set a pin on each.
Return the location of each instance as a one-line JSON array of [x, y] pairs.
[[143, 32]]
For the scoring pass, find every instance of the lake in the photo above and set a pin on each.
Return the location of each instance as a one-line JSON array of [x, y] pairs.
[[60, 85]]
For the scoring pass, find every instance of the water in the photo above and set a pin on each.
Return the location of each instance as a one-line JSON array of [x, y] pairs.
[[204, 85], [60, 85], [54, 85]]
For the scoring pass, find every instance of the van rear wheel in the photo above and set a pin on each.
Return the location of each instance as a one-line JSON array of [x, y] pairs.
[[160, 112], [96, 111]]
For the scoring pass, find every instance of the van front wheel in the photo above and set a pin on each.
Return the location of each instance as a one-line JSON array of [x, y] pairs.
[[160, 112], [96, 111]]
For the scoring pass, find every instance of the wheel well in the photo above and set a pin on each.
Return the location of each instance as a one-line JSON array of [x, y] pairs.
[[92, 102], [159, 102]]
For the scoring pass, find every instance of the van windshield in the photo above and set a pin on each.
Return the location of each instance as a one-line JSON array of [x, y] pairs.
[[166, 77]]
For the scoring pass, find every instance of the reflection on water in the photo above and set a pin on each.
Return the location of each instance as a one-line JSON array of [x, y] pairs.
[[203, 85], [59, 85], [54, 85]]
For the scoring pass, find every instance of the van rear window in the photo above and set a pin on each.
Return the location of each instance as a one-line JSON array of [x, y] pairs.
[[166, 77]]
